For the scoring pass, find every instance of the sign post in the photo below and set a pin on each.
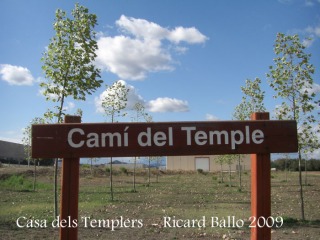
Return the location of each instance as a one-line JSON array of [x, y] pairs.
[[260, 190], [69, 193]]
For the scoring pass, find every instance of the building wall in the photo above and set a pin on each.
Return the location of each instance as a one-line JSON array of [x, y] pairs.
[[188, 163], [11, 151]]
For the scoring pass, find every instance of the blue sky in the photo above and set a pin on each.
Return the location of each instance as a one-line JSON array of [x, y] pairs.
[[185, 60]]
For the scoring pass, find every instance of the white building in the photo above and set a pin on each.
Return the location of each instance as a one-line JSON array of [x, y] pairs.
[[207, 163]]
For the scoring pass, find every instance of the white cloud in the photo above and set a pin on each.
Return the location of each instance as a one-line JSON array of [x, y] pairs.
[[285, 1], [141, 48], [211, 117], [167, 105], [133, 96], [189, 35], [69, 106], [313, 30], [312, 33], [311, 3], [49, 96], [180, 50], [158, 105], [307, 42], [141, 28], [131, 58], [314, 89], [16, 75]]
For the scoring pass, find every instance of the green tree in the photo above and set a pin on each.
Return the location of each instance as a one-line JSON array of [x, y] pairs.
[[139, 114], [220, 159], [148, 118], [229, 159], [26, 141], [91, 160], [252, 101], [158, 161], [68, 63], [239, 157], [113, 103], [291, 78]]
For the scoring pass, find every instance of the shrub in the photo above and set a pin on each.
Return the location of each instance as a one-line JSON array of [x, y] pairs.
[[200, 171], [290, 220], [17, 182], [124, 170]]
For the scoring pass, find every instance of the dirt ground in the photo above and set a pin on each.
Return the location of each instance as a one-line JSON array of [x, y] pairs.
[[180, 196]]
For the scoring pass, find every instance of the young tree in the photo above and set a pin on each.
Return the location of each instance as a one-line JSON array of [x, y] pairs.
[[68, 63], [139, 113], [148, 118], [239, 157], [229, 159], [291, 78], [113, 103], [26, 140], [91, 160], [221, 160], [158, 161], [252, 101]]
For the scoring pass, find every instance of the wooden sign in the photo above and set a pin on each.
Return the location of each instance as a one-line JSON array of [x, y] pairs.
[[73, 140], [70, 140]]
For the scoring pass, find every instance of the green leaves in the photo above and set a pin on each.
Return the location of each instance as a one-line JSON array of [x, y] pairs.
[[115, 100], [291, 78], [252, 101], [139, 113], [68, 62]]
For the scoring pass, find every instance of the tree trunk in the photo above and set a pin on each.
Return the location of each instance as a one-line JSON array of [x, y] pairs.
[[239, 169], [91, 170], [229, 175], [158, 172], [149, 172], [111, 181], [285, 168], [35, 175], [134, 174], [301, 190], [158, 169], [305, 172], [55, 187], [221, 173]]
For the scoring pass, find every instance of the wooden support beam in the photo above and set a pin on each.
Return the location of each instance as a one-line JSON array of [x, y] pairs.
[[69, 193], [260, 189]]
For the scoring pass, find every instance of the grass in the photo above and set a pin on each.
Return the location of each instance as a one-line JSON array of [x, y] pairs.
[[16, 182], [21, 183], [184, 195]]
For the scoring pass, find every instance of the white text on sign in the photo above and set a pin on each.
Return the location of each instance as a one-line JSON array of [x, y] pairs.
[[150, 138]]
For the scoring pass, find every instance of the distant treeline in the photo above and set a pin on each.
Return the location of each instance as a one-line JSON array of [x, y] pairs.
[[42, 162], [293, 164]]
